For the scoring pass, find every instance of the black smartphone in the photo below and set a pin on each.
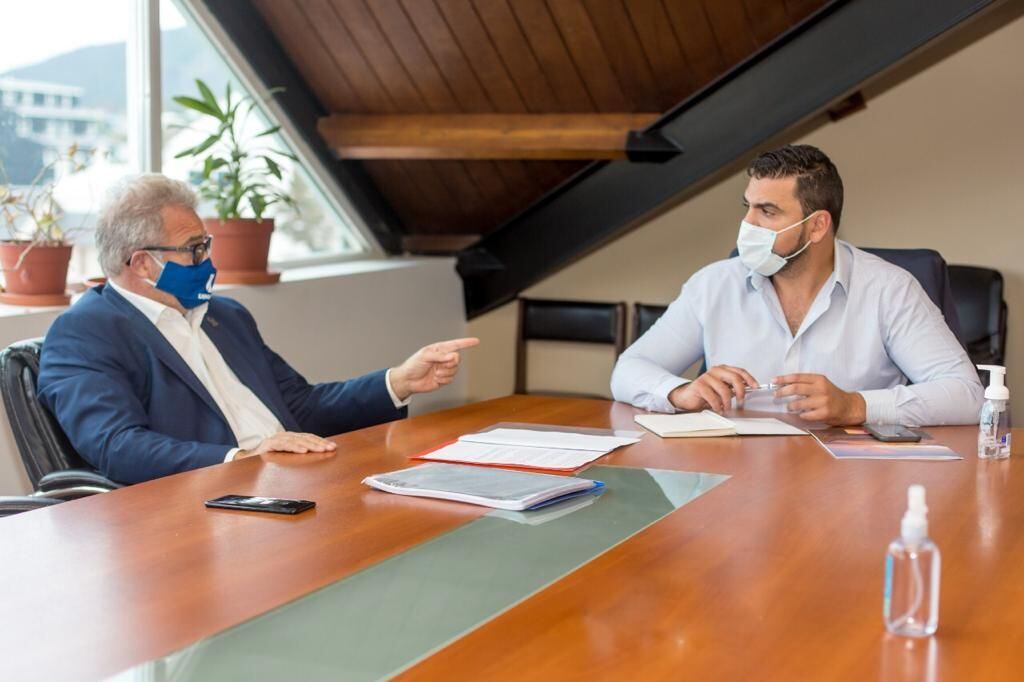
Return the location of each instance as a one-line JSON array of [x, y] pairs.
[[272, 505], [892, 433]]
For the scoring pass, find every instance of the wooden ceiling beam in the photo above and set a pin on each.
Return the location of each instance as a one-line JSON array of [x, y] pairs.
[[584, 136]]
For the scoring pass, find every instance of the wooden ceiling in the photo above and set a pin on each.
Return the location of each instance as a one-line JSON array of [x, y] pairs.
[[509, 57]]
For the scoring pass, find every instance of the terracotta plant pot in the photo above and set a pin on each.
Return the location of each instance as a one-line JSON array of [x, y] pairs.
[[40, 279], [240, 250]]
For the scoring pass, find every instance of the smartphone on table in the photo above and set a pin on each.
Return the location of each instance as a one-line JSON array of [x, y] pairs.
[[272, 505], [892, 433]]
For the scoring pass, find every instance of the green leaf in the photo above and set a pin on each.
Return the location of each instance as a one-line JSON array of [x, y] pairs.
[[287, 155], [272, 166], [185, 152], [208, 97], [211, 164], [227, 96], [205, 144], [196, 105], [269, 131], [258, 204]]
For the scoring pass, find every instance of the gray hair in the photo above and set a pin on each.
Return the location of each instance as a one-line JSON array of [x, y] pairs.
[[130, 219]]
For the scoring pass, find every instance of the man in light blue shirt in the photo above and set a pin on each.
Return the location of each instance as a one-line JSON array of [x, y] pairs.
[[847, 337]]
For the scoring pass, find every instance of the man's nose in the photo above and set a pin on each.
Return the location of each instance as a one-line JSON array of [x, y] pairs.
[[750, 217]]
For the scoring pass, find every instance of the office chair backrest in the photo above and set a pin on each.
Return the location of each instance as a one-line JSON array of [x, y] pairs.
[[930, 269], [576, 321], [978, 295], [43, 446], [644, 317]]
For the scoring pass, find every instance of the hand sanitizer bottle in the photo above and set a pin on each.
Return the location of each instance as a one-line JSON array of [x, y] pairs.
[[911, 600], [994, 423]]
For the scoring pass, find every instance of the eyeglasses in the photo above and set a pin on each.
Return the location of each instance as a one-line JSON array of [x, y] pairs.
[[200, 250]]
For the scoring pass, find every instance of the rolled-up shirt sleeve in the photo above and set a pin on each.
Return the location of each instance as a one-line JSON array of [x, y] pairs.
[[649, 370], [944, 386]]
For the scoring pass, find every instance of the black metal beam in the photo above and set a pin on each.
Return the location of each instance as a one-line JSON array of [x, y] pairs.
[[259, 47], [800, 74]]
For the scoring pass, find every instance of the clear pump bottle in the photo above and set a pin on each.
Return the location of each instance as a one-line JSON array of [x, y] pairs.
[[994, 420], [910, 604]]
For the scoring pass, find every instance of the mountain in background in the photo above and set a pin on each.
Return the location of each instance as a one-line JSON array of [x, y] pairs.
[[100, 70]]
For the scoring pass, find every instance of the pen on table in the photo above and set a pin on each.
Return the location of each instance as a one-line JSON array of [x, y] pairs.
[[763, 387]]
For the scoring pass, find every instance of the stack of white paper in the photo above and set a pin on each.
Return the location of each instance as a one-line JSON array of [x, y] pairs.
[[553, 450]]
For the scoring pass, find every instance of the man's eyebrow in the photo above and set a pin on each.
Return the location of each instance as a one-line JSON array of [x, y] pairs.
[[761, 205]]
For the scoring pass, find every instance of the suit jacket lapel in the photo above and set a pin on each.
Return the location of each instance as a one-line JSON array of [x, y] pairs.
[[164, 350]]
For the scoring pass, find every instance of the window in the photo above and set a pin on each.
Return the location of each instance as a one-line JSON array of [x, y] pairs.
[[80, 67], [315, 230], [81, 56]]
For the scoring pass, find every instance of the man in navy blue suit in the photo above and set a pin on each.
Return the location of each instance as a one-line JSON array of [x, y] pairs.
[[151, 374]]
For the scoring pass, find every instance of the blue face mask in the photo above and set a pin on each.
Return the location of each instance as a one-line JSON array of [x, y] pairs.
[[192, 285]]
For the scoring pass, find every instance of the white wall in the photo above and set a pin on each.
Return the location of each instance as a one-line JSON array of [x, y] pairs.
[[934, 161], [330, 322]]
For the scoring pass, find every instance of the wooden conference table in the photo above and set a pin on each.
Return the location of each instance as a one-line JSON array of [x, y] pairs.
[[776, 573]]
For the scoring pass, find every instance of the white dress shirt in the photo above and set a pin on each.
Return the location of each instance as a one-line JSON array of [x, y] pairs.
[[250, 420], [870, 329]]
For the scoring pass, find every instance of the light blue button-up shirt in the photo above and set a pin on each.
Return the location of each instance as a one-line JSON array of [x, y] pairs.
[[871, 329]]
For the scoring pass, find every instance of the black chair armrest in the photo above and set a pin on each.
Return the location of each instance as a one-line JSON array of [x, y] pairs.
[[74, 478], [16, 505]]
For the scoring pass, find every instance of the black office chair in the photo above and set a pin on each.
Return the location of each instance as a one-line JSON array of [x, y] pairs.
[[930, 269], [56, 471], [644, 317], [15, 505], [573, 321], [978, 296]]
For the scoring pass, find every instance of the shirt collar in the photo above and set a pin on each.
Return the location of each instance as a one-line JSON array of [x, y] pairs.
[[842, 257], [155, 310]]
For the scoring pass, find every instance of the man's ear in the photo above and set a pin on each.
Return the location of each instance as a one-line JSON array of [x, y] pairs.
[[138, 264], [821, 224]]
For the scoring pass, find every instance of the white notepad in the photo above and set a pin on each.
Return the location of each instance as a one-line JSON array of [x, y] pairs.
[[498, 488], [708, 424]]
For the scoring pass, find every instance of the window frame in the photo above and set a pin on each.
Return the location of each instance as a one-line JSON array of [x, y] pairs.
[[144, 87]]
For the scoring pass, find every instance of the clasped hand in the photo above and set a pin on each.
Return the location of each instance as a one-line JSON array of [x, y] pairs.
[[815, 397]]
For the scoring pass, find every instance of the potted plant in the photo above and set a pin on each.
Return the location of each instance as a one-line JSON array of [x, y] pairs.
[[241, 179], [36, 252]]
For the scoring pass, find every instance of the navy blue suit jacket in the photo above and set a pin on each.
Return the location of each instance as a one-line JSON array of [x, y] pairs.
[[134, 410]]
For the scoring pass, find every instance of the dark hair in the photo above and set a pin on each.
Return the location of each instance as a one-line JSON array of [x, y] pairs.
[[818, 185]]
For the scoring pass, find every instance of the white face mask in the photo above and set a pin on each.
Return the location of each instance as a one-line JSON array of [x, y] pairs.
[[755, 247]]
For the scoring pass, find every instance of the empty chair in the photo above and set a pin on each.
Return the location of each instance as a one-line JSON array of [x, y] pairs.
[[978, 295], [53, 466], [644, 317], [568, 321]]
